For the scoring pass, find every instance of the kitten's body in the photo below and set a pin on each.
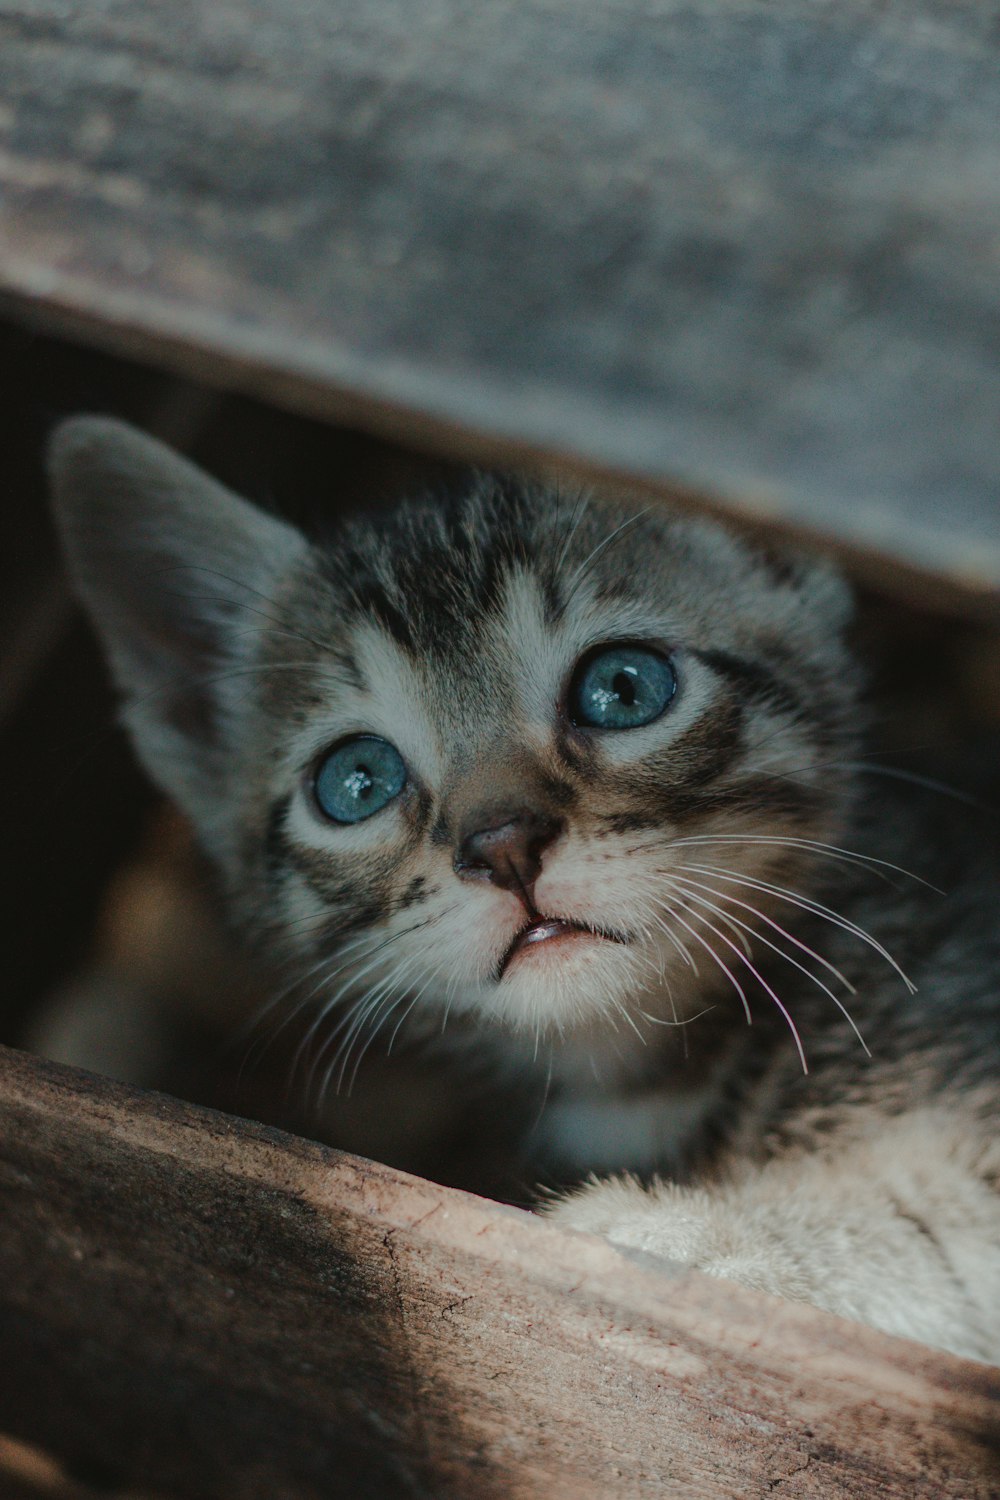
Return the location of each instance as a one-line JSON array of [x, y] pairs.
[[677, 874]]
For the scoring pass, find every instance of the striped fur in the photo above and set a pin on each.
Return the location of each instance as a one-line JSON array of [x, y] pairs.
[[703, 853]]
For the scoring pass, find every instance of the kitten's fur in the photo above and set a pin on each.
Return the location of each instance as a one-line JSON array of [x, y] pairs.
[[704, 846]]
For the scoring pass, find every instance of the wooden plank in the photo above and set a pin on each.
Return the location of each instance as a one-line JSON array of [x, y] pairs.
[[744, 246], [190, 1300]]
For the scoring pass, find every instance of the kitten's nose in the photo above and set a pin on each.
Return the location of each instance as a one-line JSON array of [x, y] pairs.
[[510, 853]]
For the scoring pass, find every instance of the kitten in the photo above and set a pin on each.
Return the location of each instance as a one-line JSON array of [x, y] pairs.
[[576, 788]]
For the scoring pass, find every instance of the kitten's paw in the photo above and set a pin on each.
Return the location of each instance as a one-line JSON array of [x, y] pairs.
[[679, 1224], [663, 1220]]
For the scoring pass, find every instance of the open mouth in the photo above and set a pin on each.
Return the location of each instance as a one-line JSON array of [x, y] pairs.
[[552, 930]]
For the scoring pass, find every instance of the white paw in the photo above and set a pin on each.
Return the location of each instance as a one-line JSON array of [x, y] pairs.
[[678, 1224], [663, 1220]]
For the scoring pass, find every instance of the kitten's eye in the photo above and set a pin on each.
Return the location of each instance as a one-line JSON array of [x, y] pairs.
[[621, 687], [359, 778]]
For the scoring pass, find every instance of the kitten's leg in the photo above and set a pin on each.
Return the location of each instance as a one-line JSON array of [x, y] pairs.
[[899, 1228]]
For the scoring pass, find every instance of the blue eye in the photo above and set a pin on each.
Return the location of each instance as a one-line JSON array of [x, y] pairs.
[[358, 778], [621, 687]]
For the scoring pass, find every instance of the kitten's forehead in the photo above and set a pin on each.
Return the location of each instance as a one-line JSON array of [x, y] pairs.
[[508, 563], [461, 620], [490, 685], [472, 618]]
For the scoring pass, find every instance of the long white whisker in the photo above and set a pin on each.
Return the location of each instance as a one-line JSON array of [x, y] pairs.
[[357, 1011], [624, 1013], [712, 954], [788, 957], [682, 949], [662, 1020], [376, 1027], [832, 851], [358, 1017], [380, 1021], [346, 1029], [416, 998], [892, 773], [374, 958], [581, 510], [806, 903], [777, 927], [267, 1040], [758, 976], [738, 930], [299, 979], [592, 557], [927, 783]]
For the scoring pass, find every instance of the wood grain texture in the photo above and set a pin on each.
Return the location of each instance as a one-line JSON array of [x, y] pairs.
[[203, 1304], [744, 246]]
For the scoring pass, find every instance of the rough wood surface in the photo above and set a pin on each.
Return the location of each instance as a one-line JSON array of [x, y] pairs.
[[747, 246], [191, 1301]]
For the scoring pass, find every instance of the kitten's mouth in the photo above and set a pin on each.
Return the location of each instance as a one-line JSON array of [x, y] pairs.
[[552, 930]]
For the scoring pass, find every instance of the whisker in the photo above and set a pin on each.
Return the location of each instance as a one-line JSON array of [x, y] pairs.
[[663, 1021], [357, 1018], [380, 1020], [581, 509], [264, 1042], [344, 958], [626, 1016], [928, 783], [372, 956], [738, 929], [353, 1014], [712, 954], [806, 903], [183, 684], [832, 851], [788, 957], [682, 949], [431, 978], [366, 1003], [894, 773], [755, 911], [759, 978], [272, 1001], [592, 557], [545, 1094], [283, 622], [376, 1026]]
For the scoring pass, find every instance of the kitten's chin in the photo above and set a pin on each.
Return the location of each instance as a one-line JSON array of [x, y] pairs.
[[561, 980]]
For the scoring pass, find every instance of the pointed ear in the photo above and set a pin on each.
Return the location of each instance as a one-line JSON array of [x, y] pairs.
[[178, 575]]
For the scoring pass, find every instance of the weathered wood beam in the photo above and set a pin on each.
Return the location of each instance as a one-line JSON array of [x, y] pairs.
[[212, 1307], [749, 247]]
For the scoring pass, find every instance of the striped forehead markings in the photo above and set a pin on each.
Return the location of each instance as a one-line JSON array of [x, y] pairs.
[[752, 678]]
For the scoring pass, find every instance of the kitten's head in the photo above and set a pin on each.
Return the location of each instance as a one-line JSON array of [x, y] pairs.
[[469, 758]]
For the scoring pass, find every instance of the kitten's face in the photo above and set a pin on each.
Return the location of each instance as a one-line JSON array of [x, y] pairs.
[[457, 763]]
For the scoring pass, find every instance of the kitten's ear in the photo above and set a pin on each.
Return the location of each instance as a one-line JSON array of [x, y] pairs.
[[177, 573]]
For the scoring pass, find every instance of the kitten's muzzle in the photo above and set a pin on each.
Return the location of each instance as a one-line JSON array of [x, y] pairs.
[[509, 854]]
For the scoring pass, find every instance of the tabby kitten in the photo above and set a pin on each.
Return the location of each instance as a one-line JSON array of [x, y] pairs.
[[576, 787]]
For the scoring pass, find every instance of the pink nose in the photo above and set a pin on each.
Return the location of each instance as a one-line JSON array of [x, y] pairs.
[[510, 853]]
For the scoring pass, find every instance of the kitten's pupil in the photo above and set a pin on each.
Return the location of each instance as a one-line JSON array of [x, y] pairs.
[[624, 688], [621, 687]]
